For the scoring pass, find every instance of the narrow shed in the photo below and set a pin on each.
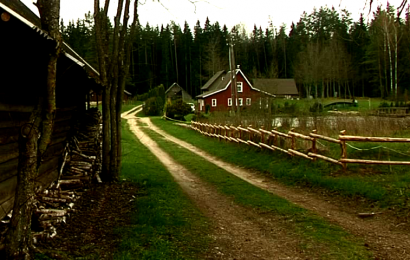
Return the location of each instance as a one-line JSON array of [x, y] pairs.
[[175, 91], [23, 67]]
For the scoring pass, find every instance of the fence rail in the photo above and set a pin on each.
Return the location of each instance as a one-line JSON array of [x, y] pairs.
[[270, 140]]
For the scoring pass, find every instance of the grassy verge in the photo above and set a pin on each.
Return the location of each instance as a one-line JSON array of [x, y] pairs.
[[130, 105], [314, 232], [384, 189], [166, 224]]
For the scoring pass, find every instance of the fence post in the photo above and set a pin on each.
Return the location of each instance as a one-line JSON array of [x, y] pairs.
[[344, 150], [262, 135], [240, 132], [250, 134], [275, 138], [314, 149], [293, 144]]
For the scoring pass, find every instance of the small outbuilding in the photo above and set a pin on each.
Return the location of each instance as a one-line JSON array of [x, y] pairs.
[[175, 91]]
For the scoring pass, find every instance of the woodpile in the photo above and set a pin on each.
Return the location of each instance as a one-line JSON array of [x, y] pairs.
[[81, 165]]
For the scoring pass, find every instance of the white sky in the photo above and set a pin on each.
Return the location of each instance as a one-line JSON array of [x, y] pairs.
[[229, 12]]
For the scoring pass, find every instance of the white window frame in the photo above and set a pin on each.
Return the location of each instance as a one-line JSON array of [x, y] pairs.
[[248, 101], [240, 102], [239, 86], [229, 102], [214, 102]]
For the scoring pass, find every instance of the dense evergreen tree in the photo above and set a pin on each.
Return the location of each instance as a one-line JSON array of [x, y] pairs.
[[326, 52]]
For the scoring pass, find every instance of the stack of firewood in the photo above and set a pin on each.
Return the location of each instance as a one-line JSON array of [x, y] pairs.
[[81, 165], [84, 161], [53, 205]]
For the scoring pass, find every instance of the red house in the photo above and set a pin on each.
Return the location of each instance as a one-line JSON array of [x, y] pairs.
[[217, 92]]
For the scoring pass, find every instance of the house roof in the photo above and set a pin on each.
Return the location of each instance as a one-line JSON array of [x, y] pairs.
[[277, 86], [224, 82], [21, 12], [212, 82], [175, 89], [172, 86]]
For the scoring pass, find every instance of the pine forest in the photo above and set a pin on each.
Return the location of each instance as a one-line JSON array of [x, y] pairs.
[[326, 52]]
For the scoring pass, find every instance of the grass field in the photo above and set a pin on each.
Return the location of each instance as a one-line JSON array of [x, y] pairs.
[[313, 232], [166, 224], [384, 187]]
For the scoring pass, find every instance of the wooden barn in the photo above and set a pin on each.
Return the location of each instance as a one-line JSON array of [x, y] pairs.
[[175, 91], [281, 88], [217, 92], [24, 56]]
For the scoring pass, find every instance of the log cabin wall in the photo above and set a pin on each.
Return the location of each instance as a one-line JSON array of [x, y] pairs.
[[23, 68]]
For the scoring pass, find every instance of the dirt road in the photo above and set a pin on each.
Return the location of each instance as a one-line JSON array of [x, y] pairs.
[[237, 232], [387, 240]]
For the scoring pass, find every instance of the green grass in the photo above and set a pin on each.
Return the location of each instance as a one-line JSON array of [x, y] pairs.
[[130, 105], [166, 224], [313, 231], [378, 185]]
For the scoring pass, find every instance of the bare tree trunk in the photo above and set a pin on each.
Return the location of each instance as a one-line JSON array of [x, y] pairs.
[[33, 143], [395, 62], [102, 46], [176, 56], [113, 80], [125, 54], [390, 66], [18, 238]]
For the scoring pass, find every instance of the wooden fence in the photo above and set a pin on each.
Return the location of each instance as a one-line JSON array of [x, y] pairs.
[[265, 139]]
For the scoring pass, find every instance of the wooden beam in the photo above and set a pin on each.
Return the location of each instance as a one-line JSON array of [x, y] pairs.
[[325, 158], [254, 130], [280, 133], [266, 146], [7, 189], [8, 169], [254, 144], [373, 139], [329, 139], [243, 129], [360, 161], [300, 154], [16, 108], [8, 152], [9, 135], [300, 136], [280, 149]]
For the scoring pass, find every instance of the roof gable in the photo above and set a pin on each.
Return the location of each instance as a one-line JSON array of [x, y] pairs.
[[226, 81], [214, 82], [175, 89]]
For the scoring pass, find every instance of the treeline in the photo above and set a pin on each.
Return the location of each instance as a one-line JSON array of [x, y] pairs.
[[327, 53]]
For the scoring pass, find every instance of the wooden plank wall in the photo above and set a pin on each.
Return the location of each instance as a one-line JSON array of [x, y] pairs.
[[11, 119]]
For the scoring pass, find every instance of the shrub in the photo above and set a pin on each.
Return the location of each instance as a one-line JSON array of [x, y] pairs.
[[153, 106], [316, 107], [207, 108], [177, 110]]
